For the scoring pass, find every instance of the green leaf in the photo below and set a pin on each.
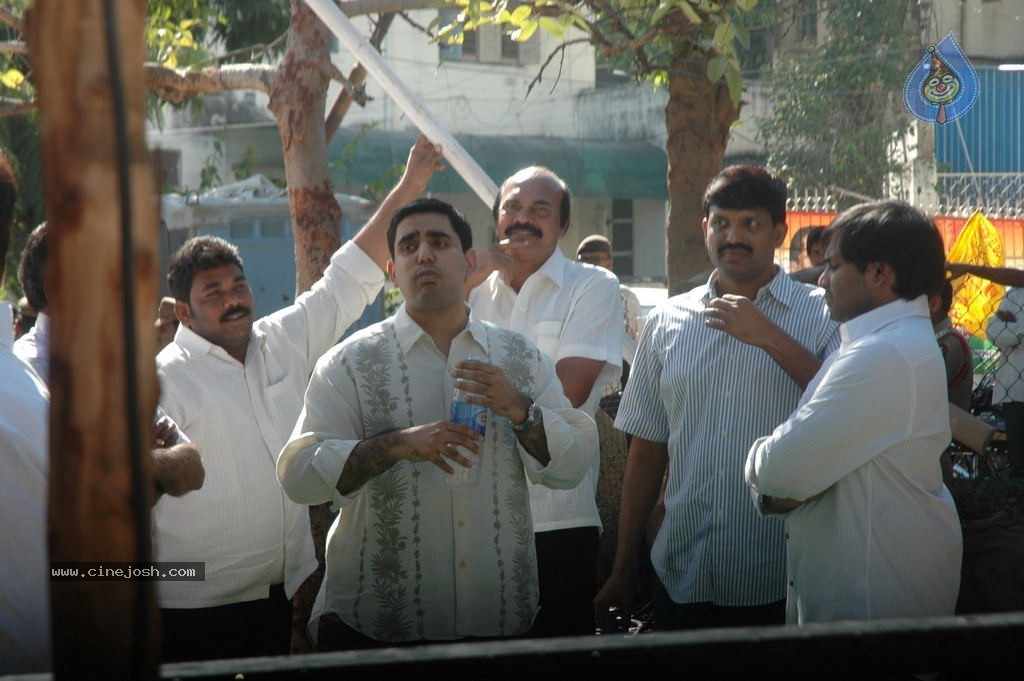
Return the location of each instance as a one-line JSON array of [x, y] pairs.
[[742, 35], [723, 36], [716, 67], [659, 12], [746, 5], [555, 27], [690, 12], [523, 34], [520, 15], [735, 82]]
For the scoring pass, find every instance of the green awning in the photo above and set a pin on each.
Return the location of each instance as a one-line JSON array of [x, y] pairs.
[[621, 170]]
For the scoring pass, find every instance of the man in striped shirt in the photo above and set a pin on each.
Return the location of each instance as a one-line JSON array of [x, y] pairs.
[[716, 368]]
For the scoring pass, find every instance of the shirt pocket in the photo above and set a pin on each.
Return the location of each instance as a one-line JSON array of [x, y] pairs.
[[547, 335]]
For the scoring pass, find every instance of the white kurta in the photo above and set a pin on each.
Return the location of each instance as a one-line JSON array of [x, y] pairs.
[[883, 540], [569, 310], [241, 524], [411, 556]]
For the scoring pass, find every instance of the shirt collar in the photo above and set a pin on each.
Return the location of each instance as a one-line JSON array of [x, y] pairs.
[[408, 332], [780, 287], [553, 268], [874, 320], [945, 324], [194, 344], [6, 325]]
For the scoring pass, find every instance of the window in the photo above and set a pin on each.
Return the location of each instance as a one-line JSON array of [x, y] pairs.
[[622, 237], [242, 229], [807, 20], [168, 168], [489, 44]]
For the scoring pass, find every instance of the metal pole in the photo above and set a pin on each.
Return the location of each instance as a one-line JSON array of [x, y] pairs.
[[410, 102]]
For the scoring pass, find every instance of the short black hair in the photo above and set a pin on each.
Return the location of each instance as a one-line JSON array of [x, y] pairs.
[[32, 268], [899, 235], [458, 220], [747, 187], [814, 235], [8, 197], [198, 254], [564, 206]]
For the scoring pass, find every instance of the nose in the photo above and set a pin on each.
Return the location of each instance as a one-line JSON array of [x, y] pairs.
[[825, 279], [424, 253]]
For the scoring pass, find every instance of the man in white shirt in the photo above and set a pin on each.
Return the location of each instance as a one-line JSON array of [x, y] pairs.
[[235, 385], [574, 314], [715, 368], [417, 555], [872, 532], [24, 561]]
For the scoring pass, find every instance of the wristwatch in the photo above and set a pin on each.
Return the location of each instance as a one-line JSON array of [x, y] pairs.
[[533, 417]]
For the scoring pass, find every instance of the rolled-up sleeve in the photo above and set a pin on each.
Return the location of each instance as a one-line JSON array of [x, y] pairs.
[[826, 439], [327, 431], [571, 434]]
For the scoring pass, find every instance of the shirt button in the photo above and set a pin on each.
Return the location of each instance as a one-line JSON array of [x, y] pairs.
[[461, 523], [462, 564]]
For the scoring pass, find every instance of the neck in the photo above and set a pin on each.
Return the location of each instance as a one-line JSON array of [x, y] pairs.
[[238, 351], [441, 325], [519, 273], [747, 289]]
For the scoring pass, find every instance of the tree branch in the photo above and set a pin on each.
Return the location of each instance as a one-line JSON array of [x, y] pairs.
[[12, 20], [356, 79], [16, 109], [560, 49], [353, 8], [177, 85], [14, 47]]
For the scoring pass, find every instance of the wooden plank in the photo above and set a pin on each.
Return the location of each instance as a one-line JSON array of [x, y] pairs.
[[98, 514]]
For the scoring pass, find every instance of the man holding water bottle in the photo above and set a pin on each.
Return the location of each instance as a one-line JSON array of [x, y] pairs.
[[435, 538]]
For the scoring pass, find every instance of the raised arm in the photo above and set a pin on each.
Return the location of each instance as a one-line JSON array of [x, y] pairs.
[[1007, 276], [424, 159]]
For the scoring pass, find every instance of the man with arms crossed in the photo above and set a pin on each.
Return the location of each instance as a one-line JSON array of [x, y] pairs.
[[574, 315], [716, 368], [416, 555], [235, 386], [871, 530]]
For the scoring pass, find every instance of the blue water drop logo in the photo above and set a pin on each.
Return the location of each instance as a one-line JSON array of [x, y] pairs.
[[943, 86]]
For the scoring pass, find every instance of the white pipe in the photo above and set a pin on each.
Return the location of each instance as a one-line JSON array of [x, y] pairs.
[[413, 106]]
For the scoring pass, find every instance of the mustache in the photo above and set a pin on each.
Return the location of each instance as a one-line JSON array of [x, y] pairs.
[[735, 247], [243, 308], [526, 226]]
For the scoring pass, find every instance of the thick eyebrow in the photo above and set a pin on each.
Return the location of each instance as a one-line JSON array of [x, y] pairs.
[[215, 284]]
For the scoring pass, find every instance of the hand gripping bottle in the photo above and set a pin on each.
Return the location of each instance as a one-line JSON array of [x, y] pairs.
[[474, 416]]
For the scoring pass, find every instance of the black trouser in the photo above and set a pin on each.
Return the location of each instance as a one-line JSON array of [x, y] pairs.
[[567, 571], [669, 615], [249, 629]]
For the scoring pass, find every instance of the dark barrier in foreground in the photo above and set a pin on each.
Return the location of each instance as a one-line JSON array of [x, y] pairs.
[[956, 648]]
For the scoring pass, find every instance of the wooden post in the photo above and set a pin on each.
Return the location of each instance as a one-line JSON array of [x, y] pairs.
[[99, 424]]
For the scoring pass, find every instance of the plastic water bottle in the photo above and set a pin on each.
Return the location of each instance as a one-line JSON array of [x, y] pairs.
[[474, 416]]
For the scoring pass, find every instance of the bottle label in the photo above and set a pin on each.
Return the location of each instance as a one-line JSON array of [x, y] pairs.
[[472, 415]]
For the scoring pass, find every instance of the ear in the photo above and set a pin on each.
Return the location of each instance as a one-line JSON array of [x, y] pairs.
[[781, 230], [183, 312], [882, 276], [391, 272], [704, 227], [470, 256]]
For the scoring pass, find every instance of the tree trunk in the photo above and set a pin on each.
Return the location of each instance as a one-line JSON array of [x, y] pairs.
[[298, 101], [698, 117], [100, 483]]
